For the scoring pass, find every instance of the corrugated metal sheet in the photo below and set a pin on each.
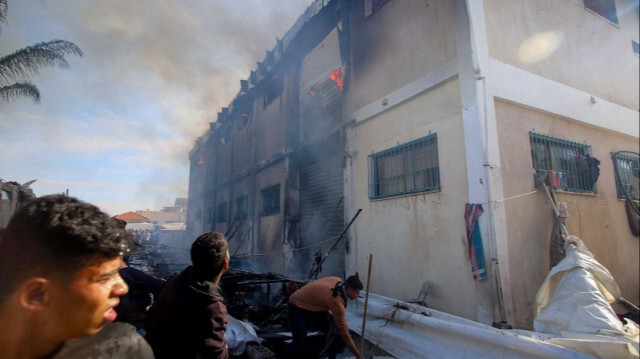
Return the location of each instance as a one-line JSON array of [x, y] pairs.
[[321, 219], [320, 95]]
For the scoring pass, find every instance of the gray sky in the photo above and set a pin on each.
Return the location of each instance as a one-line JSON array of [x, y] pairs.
[[116, 127]]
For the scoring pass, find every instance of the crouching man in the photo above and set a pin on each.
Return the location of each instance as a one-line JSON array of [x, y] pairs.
[[313, 304], [59, 262]]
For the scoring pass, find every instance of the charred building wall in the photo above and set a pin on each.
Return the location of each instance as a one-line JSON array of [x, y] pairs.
[[269, 172]]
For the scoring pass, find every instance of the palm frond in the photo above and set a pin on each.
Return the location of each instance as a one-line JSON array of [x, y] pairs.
[[30, 59], [11, 92], [3, 10]]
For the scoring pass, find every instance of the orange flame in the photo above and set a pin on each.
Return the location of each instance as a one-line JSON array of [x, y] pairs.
[[336, 75]]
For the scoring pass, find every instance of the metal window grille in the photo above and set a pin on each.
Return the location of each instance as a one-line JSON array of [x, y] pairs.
[[627, 172], [569, 160], [407, 168]]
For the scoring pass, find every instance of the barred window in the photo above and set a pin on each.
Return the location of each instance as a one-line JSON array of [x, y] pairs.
[[627, 170], [571, 161], [408, 168]]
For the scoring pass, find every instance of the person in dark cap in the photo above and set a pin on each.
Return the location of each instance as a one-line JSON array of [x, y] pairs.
[[314, 305]]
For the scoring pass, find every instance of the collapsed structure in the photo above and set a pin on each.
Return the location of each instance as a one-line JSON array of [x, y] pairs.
[[12, 196], [427, 115]]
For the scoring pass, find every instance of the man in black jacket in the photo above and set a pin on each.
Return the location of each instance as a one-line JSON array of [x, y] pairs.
[[189, 319]]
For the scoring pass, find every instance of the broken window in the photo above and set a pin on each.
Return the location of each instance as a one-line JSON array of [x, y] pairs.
[[221, 213], [408, 168], [371, 6], [273, 90], [241, 207], [627, 172], [270, 200], [604, 8], [571, 162]]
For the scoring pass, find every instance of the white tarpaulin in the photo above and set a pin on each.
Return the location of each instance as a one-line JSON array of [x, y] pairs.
[[409, 331], [573, 303], [238, 335], [573, 307]]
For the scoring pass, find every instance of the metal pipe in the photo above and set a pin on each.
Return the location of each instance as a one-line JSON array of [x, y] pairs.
[[366, 302], [316, 269]]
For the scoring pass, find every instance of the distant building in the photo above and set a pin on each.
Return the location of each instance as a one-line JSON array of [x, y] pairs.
[[132, 217], [162, 217], [175, 214], [168, 215], [410, 110]]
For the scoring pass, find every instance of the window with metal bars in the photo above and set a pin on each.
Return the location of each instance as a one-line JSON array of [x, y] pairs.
[[570, 160], [407, 168], [627, 172]]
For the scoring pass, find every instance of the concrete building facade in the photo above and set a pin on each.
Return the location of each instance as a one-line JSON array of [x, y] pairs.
[[410, 110]]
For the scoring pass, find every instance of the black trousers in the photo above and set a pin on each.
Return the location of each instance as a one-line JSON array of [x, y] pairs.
[[302, 321]]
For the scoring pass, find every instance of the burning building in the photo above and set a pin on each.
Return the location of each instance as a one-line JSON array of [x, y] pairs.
[[410, 110]]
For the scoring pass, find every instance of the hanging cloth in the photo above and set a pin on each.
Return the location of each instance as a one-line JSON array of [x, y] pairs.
[[632, 217], [474, 240], [594, 170]]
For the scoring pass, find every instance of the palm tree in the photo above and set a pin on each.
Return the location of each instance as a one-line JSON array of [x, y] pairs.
[[16, 67]]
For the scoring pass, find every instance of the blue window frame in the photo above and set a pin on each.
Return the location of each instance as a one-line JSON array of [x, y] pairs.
[[627, 172], [407, 168], [569, 159]]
